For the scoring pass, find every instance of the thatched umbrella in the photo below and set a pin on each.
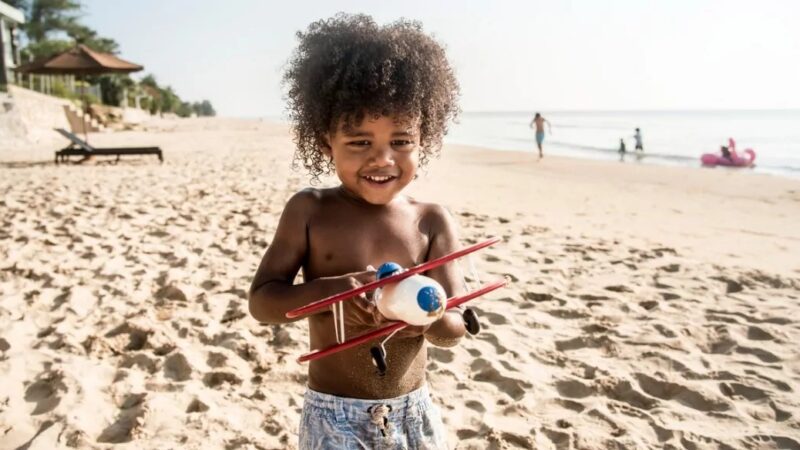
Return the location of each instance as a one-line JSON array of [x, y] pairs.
[[80, 61]]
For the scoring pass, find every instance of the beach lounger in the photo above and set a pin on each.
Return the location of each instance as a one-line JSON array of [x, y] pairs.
[[79, 147]]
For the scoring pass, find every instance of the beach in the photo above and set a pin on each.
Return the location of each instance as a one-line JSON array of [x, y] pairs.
[[648, 306]]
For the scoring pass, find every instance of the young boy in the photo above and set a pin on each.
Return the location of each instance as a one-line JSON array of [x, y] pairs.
[[372, 104]]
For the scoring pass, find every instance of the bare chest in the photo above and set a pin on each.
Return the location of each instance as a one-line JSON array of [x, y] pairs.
[[347, 240]]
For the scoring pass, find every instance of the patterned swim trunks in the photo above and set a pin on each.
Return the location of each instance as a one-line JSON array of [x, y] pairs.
[[411, 421]]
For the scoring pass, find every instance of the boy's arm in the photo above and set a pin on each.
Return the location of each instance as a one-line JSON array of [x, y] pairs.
[[272, 293], [447, 331]]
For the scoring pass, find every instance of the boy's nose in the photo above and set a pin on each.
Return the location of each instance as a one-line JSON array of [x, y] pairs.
[[382, 156]]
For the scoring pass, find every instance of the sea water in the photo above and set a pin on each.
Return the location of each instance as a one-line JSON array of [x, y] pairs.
[[670, 137]]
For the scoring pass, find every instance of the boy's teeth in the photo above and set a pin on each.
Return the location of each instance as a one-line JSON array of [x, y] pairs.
[[375, 178]]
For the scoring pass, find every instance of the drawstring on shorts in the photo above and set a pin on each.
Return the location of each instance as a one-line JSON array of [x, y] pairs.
[[378, 415]]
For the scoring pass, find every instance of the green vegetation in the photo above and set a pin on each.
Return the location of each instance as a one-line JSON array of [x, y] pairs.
[[53, 26]]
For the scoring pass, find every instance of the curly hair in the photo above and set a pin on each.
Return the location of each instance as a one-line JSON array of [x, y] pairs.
[[347, 67]]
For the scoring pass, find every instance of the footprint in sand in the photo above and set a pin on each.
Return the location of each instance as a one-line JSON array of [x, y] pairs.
[[618, 288], [759, 334], [196, 406], [492, 339], [666, 390], [127, 337], [216, 359], [130, 421], [514, 388], [603, 342], [777, 383], [560, 439], [441, 355], [475, 406], [45, 391], [516, 440], [562, 313], [573, 389], [177, 367], [648, 304], [569, 404], [671, 268], [748, 392], [763, 355], [139, 360], [731, 286], [771, 441], [669, 296], [218, 378], [171, 292], [537, 296], [233, 313]]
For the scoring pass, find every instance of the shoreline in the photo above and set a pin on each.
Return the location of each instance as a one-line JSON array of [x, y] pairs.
[[609, 155]]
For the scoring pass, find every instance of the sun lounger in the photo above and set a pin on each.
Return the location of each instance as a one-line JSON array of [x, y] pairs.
[[79, 147]]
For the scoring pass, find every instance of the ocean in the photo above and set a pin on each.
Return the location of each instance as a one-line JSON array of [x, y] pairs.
[[670, 137]]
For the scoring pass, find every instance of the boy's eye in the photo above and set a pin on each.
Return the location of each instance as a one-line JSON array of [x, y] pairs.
[[358, 144], [403, 144]]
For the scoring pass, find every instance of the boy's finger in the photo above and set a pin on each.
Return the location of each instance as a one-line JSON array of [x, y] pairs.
[[363, 303], [368, 275]]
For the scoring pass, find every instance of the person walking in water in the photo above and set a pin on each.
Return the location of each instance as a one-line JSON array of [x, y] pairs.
[[538, 122], [621, 150], [638, 137]]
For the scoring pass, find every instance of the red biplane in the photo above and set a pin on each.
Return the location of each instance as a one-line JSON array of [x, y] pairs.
[[414, 300]]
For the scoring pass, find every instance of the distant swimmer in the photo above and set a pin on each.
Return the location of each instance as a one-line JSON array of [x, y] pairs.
[[638, 137], [539, 122]]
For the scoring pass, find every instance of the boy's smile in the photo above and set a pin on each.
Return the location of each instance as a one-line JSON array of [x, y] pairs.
[[375, 159]]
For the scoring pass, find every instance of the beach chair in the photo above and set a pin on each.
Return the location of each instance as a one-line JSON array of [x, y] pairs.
[[79, 147]]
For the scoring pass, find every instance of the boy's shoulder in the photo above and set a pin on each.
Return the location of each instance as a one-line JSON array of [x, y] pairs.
[[431, 209], [309, 197], [435, 215], [305, 202]]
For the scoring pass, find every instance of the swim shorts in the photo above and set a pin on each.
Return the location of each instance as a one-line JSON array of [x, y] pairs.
[[410, 421], [539, 137]]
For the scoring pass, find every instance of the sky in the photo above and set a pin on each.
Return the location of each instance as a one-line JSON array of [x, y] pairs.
[[508, 55]]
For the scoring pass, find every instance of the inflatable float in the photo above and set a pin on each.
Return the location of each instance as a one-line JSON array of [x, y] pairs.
[[735, 160]]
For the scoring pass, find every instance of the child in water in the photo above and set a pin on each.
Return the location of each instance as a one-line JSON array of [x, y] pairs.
[[370, 103]]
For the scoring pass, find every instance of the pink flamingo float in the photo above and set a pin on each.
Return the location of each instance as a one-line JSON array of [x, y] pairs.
[[717, 159]]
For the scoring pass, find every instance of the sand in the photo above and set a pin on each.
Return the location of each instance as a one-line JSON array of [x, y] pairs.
[[650, 307]]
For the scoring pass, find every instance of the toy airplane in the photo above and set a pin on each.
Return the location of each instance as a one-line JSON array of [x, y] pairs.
[[401, 295]]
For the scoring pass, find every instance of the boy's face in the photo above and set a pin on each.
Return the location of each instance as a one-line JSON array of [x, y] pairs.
[[377, 158]]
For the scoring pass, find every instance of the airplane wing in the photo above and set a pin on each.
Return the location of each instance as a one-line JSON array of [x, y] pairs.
[[395, 326], [424, 267]]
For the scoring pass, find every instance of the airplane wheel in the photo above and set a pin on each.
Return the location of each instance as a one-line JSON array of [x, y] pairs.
[[471, 321], [379, 359]]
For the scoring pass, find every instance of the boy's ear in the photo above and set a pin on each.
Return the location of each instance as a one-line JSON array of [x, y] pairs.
[[326, 145]]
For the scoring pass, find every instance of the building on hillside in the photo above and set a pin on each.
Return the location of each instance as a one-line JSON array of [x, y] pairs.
[[10, 20]]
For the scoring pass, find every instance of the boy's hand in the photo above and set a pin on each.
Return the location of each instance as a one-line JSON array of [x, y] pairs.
[[359, 312]]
